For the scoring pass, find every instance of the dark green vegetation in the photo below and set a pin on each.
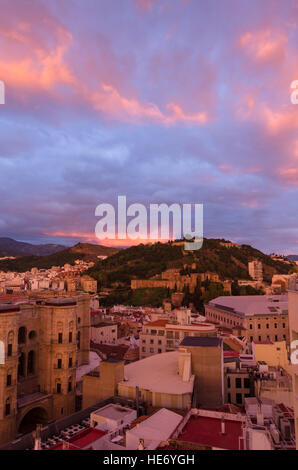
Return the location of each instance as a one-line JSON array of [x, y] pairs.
[[83, 251], [146, 261]]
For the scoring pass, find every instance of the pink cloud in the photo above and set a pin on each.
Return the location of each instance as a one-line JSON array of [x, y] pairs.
[[264, 46], [289, 176], [145, 5], [116, 106]]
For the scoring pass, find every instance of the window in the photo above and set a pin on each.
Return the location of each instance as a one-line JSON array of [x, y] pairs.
[[70, 362], [143, 349], [259, 326], [32, 335], [69, 386], [9, 344], [60, 338], [30, 362], [260, 338], [229, 398], [70, 337], [275, 325], [21, 365], [229, 382], [8, 380], [143, 341], [159, 341], [59, 364], [251, 338], [283, 325], [159, 351], [275, 337], [267, 326], [152, 350], [151, 341], [250, 326], [238, 382], [7, 407], [58, 387], [22, 335], [9, 350], [246, 383], [238, 398]]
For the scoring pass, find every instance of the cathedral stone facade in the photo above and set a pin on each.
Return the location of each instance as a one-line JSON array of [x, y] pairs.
[[43, 339]]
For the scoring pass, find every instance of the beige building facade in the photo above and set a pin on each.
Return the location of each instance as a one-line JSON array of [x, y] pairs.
[[44, 340], [265, 318]]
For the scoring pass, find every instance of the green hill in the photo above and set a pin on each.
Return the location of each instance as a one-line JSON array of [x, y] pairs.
[[146, 261]]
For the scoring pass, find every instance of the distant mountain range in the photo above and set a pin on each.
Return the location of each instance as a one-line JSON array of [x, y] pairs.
[[293, 257], [52, 255], [10, 247]]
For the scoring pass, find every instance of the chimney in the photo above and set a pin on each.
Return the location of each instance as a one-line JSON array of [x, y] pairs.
[[223, 426], [37, 437]]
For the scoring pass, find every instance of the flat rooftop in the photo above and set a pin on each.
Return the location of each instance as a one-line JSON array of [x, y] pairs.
[[249, 305], [207, 431], [201, 341], [81, 440], [158, 373], [114, 412]]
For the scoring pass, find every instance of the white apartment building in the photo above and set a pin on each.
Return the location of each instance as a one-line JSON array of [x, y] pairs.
[[161, 336]]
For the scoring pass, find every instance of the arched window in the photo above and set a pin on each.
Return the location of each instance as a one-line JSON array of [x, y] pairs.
[[32, 335], [31, 362], [22, 335]]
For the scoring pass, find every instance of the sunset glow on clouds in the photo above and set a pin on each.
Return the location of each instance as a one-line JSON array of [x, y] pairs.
[[160, 100]]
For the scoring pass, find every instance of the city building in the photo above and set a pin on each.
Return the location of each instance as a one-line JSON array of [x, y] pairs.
[[293, 324], [161, 336], [255, 270], [207, 365], [104, 332], [265, 318], [112, 417], [44, 339], [160, 381]]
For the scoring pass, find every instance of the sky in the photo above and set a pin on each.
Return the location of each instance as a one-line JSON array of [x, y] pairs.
[[164, 101]]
